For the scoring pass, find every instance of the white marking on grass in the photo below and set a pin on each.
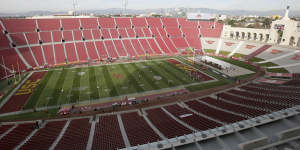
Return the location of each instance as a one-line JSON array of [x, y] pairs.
[[80, 88], [81, 73], [157, 77]]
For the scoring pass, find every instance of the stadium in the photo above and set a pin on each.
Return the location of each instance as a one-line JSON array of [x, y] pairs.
[[153, 83]]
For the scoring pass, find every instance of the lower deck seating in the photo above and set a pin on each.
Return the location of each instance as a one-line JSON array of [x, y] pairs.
[[91, 49], [234, 108], [214, 113], [59, 54], [137, 129], [120, 48], [276, 87], [111, 49], [130, 50], [194, 43], [108, 134], [37, 52], [48, 51], [180, 43], [293, 83], [11, 59], [16, 136], [267, 98], [163, 46], [212, 33], [27, 56], [101, 50], [296, 76], [165, 124], [154, 46], [270, 92], [4, 128], [44, 137], [71, 54], [76, 135], [249, 102], [146, 46], [83, 57], [170, 45], [138, 48], [194, 120]]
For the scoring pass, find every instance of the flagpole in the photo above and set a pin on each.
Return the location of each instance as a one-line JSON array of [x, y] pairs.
[[4, 68], [19, 69], [14, 73]]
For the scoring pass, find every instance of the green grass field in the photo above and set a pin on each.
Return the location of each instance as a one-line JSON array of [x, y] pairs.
[[74, 85]]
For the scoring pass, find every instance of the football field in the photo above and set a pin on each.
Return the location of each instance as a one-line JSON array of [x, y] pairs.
[[74, 85]]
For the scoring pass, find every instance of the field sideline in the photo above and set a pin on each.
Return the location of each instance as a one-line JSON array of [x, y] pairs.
[[74, 85]]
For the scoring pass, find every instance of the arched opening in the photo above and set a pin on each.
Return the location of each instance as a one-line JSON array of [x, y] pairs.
[[267, 37], [292, 41], [261, 36], [279, 33], [255, 36], [231, 35], [298, 43], [249, 35], [237, 35], [243, 35]]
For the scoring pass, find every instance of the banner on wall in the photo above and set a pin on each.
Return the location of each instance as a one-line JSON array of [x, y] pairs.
[[279, 27], [200, 16]]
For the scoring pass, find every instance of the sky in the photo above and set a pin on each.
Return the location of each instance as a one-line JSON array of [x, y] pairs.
[[13, 6]]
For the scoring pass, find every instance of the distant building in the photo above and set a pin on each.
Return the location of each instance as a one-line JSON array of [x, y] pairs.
[[283, 32], [222, 17]]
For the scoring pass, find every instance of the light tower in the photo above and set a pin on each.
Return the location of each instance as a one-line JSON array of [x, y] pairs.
[[75, 6], [124, 7]]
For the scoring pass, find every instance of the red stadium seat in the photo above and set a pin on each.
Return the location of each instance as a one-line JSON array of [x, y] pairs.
[[139, 22], [107, 22], [49, 24], [89, 23], [71, 53], [120, 48], [19, 25], [37, 51], [92, 50], [83, 57], [59, 54], [70, 24], [123, 22]]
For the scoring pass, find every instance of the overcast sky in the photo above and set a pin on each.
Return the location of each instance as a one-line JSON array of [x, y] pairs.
[[12, 6]]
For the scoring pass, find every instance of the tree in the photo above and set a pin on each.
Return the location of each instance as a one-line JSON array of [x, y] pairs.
[[267, 22], [231, 22]]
